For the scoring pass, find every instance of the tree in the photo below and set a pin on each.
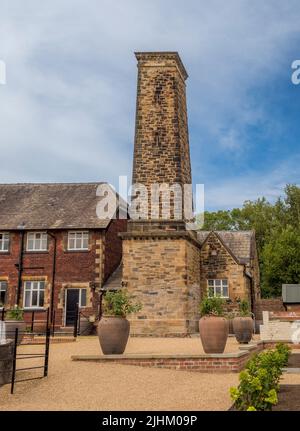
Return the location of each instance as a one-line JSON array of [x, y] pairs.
[[277, 228], [281, 260]]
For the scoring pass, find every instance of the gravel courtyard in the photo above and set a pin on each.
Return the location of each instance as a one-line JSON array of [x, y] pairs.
[[94, 386]]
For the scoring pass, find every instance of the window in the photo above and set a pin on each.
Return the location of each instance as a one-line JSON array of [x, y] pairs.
[[82, 297], [3, 290], [37, 241], [4, 242], [78, 241], [34, 294], [218, 287]]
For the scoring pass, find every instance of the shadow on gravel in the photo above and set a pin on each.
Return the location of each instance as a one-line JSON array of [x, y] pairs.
[[288, 398]]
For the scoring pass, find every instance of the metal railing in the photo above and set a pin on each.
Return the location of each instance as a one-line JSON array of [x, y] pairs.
[[16, 356]]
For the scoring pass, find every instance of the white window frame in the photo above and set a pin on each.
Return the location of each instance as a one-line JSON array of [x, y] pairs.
[[4, 241], [218, 283], [78, 236], [3, 290], [35, 286], [32, 236]]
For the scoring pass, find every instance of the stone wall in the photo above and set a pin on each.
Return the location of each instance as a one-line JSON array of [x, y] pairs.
[[163, 274], [218, 263]]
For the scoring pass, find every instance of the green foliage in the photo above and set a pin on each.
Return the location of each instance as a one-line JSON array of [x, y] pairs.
[[244, 309], [281, 259], [119, 303], [213, 306], [277, 230], [259, 382], [15, 313]]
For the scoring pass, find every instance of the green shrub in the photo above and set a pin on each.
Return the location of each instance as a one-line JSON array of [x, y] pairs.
[[259, 382], [213, 306], [119, 303], [244, 309], [15, 313]]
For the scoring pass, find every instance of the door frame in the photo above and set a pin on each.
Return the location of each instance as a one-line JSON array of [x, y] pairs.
[[65, 307]]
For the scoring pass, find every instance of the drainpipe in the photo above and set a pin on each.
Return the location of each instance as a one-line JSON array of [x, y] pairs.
[[20, 263], [53, 277]]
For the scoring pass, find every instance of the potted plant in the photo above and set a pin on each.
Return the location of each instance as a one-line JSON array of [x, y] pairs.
[[213, 327], [15, 319], [243, 324], [113, 328]]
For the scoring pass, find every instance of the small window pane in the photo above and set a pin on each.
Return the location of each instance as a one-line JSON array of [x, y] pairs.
[[210, 282], [225, 291], [41, 302], [27, 298], [217, 282], [218, 290], [210, 291], [34, 298], [83, 298], [30, 244]]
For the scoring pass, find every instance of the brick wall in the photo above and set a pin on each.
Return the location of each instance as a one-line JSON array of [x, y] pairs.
[[268, 304], [76, 269], [113, 246]]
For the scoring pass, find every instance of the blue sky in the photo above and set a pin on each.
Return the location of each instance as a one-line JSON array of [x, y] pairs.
[[67, 110]]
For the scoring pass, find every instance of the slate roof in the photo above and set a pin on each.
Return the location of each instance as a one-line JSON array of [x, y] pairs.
[[239, 243], [50, 206]]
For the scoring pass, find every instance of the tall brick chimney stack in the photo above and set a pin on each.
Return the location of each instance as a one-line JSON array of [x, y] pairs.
[[161, 148]]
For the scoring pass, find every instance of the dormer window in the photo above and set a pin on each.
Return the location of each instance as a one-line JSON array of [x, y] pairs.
[[4, 242], [37, 241]]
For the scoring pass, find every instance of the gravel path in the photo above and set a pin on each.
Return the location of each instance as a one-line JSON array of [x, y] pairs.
[[94, 386]]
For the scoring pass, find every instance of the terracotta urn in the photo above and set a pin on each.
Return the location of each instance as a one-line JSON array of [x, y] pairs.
[[213, 333], [243, 329], [11, 326], [113, 333]]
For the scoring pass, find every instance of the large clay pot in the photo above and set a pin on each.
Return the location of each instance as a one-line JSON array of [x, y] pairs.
[[11, 326], [113, 333], [213, 333], [230, 326], [243, 329]]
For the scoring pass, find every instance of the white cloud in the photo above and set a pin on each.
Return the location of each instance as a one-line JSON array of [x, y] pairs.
[[67, 111]]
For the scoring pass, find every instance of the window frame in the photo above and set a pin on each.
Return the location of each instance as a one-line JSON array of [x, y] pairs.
[[38, 306], [34, 249], [214, 286], [4, 241], [77, 233], [5, 292]]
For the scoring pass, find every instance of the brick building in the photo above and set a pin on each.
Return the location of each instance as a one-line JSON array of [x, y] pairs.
[[54, 248]]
